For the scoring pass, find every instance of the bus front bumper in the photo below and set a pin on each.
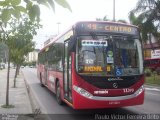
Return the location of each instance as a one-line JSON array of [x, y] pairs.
[[84, 100]]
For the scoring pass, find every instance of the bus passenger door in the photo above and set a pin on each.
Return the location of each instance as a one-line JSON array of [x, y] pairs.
[[67, 73]]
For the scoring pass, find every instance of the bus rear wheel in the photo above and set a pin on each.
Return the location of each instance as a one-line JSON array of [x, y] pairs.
[[58, 94]]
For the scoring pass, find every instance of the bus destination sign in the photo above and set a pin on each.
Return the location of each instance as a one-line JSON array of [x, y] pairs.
[[108, 27]]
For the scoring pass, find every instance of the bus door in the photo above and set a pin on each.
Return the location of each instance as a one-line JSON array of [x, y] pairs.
[[67, 73]]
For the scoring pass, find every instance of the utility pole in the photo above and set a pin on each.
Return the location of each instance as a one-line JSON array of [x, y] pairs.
[[58, 26], [113, 10]]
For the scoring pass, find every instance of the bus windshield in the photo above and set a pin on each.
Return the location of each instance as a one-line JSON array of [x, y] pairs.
[[109, 56]]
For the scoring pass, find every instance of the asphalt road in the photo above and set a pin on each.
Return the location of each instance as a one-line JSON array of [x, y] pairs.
[[46, 99]]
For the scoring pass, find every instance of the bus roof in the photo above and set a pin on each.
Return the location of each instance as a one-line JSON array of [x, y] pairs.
[[74, 25], [110, 22]]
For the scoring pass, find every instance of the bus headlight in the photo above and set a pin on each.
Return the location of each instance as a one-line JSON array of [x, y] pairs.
[[82, 92], [141, 89]]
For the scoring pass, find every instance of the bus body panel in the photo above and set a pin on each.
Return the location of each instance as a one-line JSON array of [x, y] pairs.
[[109, 92], [53, 77], [101, 98], [81, 102]]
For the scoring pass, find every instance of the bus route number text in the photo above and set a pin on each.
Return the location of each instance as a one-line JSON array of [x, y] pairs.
[[111, 28], [92, 26]]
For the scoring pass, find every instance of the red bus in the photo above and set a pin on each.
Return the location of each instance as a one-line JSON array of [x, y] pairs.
[[152, 63], [94, 65]]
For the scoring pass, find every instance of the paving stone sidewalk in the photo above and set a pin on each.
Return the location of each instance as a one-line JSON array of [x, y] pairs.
[[17, 96]]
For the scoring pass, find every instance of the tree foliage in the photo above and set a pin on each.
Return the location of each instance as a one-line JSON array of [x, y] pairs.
[[21, 42], [17, 32], [106, 19], [146, 15], [15, 8]]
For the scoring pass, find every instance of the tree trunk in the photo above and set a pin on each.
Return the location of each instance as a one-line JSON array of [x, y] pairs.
[[18, 69], [7, 87], [15, 76]]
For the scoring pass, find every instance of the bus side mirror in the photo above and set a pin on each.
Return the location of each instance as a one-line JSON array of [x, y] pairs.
[[72, 44]]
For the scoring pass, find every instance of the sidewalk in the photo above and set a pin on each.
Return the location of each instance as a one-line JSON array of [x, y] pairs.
[[17, 96]]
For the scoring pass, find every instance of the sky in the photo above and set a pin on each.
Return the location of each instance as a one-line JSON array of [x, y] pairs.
[[82, 10]]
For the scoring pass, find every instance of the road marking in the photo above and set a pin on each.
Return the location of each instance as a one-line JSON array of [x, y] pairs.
[[151, 93], [154, 89]]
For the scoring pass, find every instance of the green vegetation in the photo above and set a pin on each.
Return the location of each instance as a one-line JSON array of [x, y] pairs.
[[148, 72], [153, 79], [16, 8], [106, 19], [147, 17], [21, 43], [7, 106], [19, 20]]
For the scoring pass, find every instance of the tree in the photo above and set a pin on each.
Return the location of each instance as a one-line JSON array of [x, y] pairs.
[[148, 18], [106, 19], [138, 21], [15, 8], [22, 42], [10, 9], [18, 53], [103, 19], [3, 52], [19, 41], [6, 37]]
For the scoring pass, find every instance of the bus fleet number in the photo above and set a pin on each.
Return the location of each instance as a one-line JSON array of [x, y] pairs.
[[128, 90]]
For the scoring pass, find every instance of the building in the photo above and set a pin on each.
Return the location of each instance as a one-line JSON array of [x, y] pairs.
[[32, 56], [152, 50]]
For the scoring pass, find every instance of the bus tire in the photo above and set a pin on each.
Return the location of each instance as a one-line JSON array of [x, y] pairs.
[[41, 81], [58, 94]]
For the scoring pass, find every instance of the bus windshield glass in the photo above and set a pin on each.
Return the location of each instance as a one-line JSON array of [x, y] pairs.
[[109, 56]]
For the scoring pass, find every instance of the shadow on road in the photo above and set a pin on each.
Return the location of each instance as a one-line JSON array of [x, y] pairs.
[[88, 114]]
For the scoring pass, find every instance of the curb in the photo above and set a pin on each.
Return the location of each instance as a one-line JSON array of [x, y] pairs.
[[152, 85], [39, 111], [34, 103]]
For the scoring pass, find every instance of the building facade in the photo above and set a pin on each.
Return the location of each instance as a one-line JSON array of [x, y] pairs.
[[152, 49], [32, 56]]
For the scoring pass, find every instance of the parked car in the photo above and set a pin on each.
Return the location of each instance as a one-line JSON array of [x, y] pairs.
[[2, 66], [22, 66]]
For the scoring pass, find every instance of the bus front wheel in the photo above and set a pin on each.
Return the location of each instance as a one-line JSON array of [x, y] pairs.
[[58, 94]]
